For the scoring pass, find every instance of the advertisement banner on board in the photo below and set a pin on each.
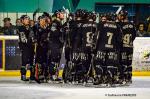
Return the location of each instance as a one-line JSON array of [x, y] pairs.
[[141, 54]]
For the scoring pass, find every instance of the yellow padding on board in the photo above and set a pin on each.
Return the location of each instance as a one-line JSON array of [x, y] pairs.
[[141, 73], [13, 73], [17, 73]]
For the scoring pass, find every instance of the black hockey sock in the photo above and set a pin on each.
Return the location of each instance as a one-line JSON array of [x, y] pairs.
[[129, 73], [32, 72], [23, 70]]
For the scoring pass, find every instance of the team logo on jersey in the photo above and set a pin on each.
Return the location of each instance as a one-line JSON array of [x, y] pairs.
[[23, 37], [53, 28]]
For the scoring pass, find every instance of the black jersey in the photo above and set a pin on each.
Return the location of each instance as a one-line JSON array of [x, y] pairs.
[[88, 31], [26, 36], [56, 35], [41, 35], [76, 34], [68, 29], [109, 36], [129, 34]]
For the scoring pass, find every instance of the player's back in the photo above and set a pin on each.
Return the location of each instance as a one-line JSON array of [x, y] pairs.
[[129, 34], [88, 31], [109, 36]]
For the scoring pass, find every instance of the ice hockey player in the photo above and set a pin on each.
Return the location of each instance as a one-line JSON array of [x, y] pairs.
[[128, 36], [56, 40], [26, 37], [68, 30], [106, 52], [41, 31], [75, 41], [88, 30]]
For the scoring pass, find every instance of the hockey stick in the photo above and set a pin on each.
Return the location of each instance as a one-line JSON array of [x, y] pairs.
[[36, 65], [35, 47]]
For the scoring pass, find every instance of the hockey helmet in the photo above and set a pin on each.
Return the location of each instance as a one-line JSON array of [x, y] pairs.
[[24, 17], [91, 15]]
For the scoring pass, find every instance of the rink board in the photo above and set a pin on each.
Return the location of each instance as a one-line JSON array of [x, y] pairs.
[[10, 60], [10, 55]]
